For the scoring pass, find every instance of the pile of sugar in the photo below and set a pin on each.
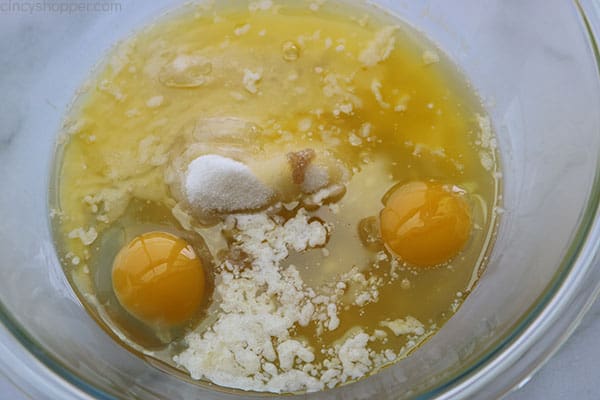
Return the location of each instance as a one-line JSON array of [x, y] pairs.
[[219, 184], [251, 345]]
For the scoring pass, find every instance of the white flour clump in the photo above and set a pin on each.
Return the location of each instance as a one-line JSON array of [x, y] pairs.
[[219, 184], [251, 344], [259, 305], [380, 48]]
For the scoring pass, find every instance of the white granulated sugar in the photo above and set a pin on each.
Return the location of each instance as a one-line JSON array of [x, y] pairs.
[[219, 184], [380, 48], [408, 325], [315, 178]]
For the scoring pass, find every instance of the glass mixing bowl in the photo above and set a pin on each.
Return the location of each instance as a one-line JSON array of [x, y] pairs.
[[534, 62]]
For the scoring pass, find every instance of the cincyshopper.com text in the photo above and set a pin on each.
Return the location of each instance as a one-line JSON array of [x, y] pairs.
[[58, 7]]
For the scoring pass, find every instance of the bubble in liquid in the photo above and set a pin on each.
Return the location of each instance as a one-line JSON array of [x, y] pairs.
[[291, 51], [368, 231]]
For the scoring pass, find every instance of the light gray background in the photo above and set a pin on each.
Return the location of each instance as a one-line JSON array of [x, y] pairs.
[[573, 373]]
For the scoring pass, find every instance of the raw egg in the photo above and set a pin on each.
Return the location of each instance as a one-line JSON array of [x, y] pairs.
[[159, 279], [425, 223]]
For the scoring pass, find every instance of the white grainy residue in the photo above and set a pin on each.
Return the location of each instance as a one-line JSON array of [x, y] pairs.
[[87, 237], [486, 136], [251, 344], [408, 325], [354, 139], [259, 306], [251, 79], [380, 48], [242, 30], [219, 184], [430, 57], [376, 89], [261, 5], [487, 143], [354, 356], [155, 101]]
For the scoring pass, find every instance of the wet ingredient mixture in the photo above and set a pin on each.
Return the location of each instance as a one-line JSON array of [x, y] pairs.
[[275, 196]]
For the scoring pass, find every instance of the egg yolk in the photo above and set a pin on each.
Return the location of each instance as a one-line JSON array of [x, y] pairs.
[[425, 224], [159, 279]]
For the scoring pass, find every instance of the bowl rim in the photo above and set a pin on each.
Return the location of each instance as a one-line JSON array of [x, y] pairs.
[[563, 304]]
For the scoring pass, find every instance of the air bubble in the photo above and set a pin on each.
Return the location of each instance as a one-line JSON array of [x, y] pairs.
[[291, 51], [368, 230]]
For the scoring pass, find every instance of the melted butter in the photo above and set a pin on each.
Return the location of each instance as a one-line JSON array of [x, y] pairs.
[[296, 75]]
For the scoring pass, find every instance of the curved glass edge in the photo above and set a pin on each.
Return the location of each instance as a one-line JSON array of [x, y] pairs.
[[563, 304], [35, 367]]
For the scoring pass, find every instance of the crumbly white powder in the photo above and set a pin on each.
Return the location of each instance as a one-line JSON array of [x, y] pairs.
[[486, 135], [219, 184], [402, 104], [430, 57], [262, 5], [315, 179], [354, 139], [242, 30], [87, 237], [486, 160], [325, 194], [251, 80], [408, 325], [487, 142], [155, 101], [380, 48], [354, 356], [251, 345], [266, 301], [305, 124], [376, 89]]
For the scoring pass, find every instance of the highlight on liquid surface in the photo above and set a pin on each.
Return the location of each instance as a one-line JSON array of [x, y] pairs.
[[275, 196]]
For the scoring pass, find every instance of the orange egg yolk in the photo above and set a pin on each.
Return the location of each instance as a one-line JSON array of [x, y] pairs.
[[425, 224], [159, 279]]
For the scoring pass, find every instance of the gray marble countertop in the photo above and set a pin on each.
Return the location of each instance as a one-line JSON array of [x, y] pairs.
[[571, 374]]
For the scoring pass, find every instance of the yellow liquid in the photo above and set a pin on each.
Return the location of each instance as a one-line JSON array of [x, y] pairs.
[[422, 119]]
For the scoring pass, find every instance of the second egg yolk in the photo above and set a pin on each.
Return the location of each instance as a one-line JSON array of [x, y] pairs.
[[425, 224], [159, 279]]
